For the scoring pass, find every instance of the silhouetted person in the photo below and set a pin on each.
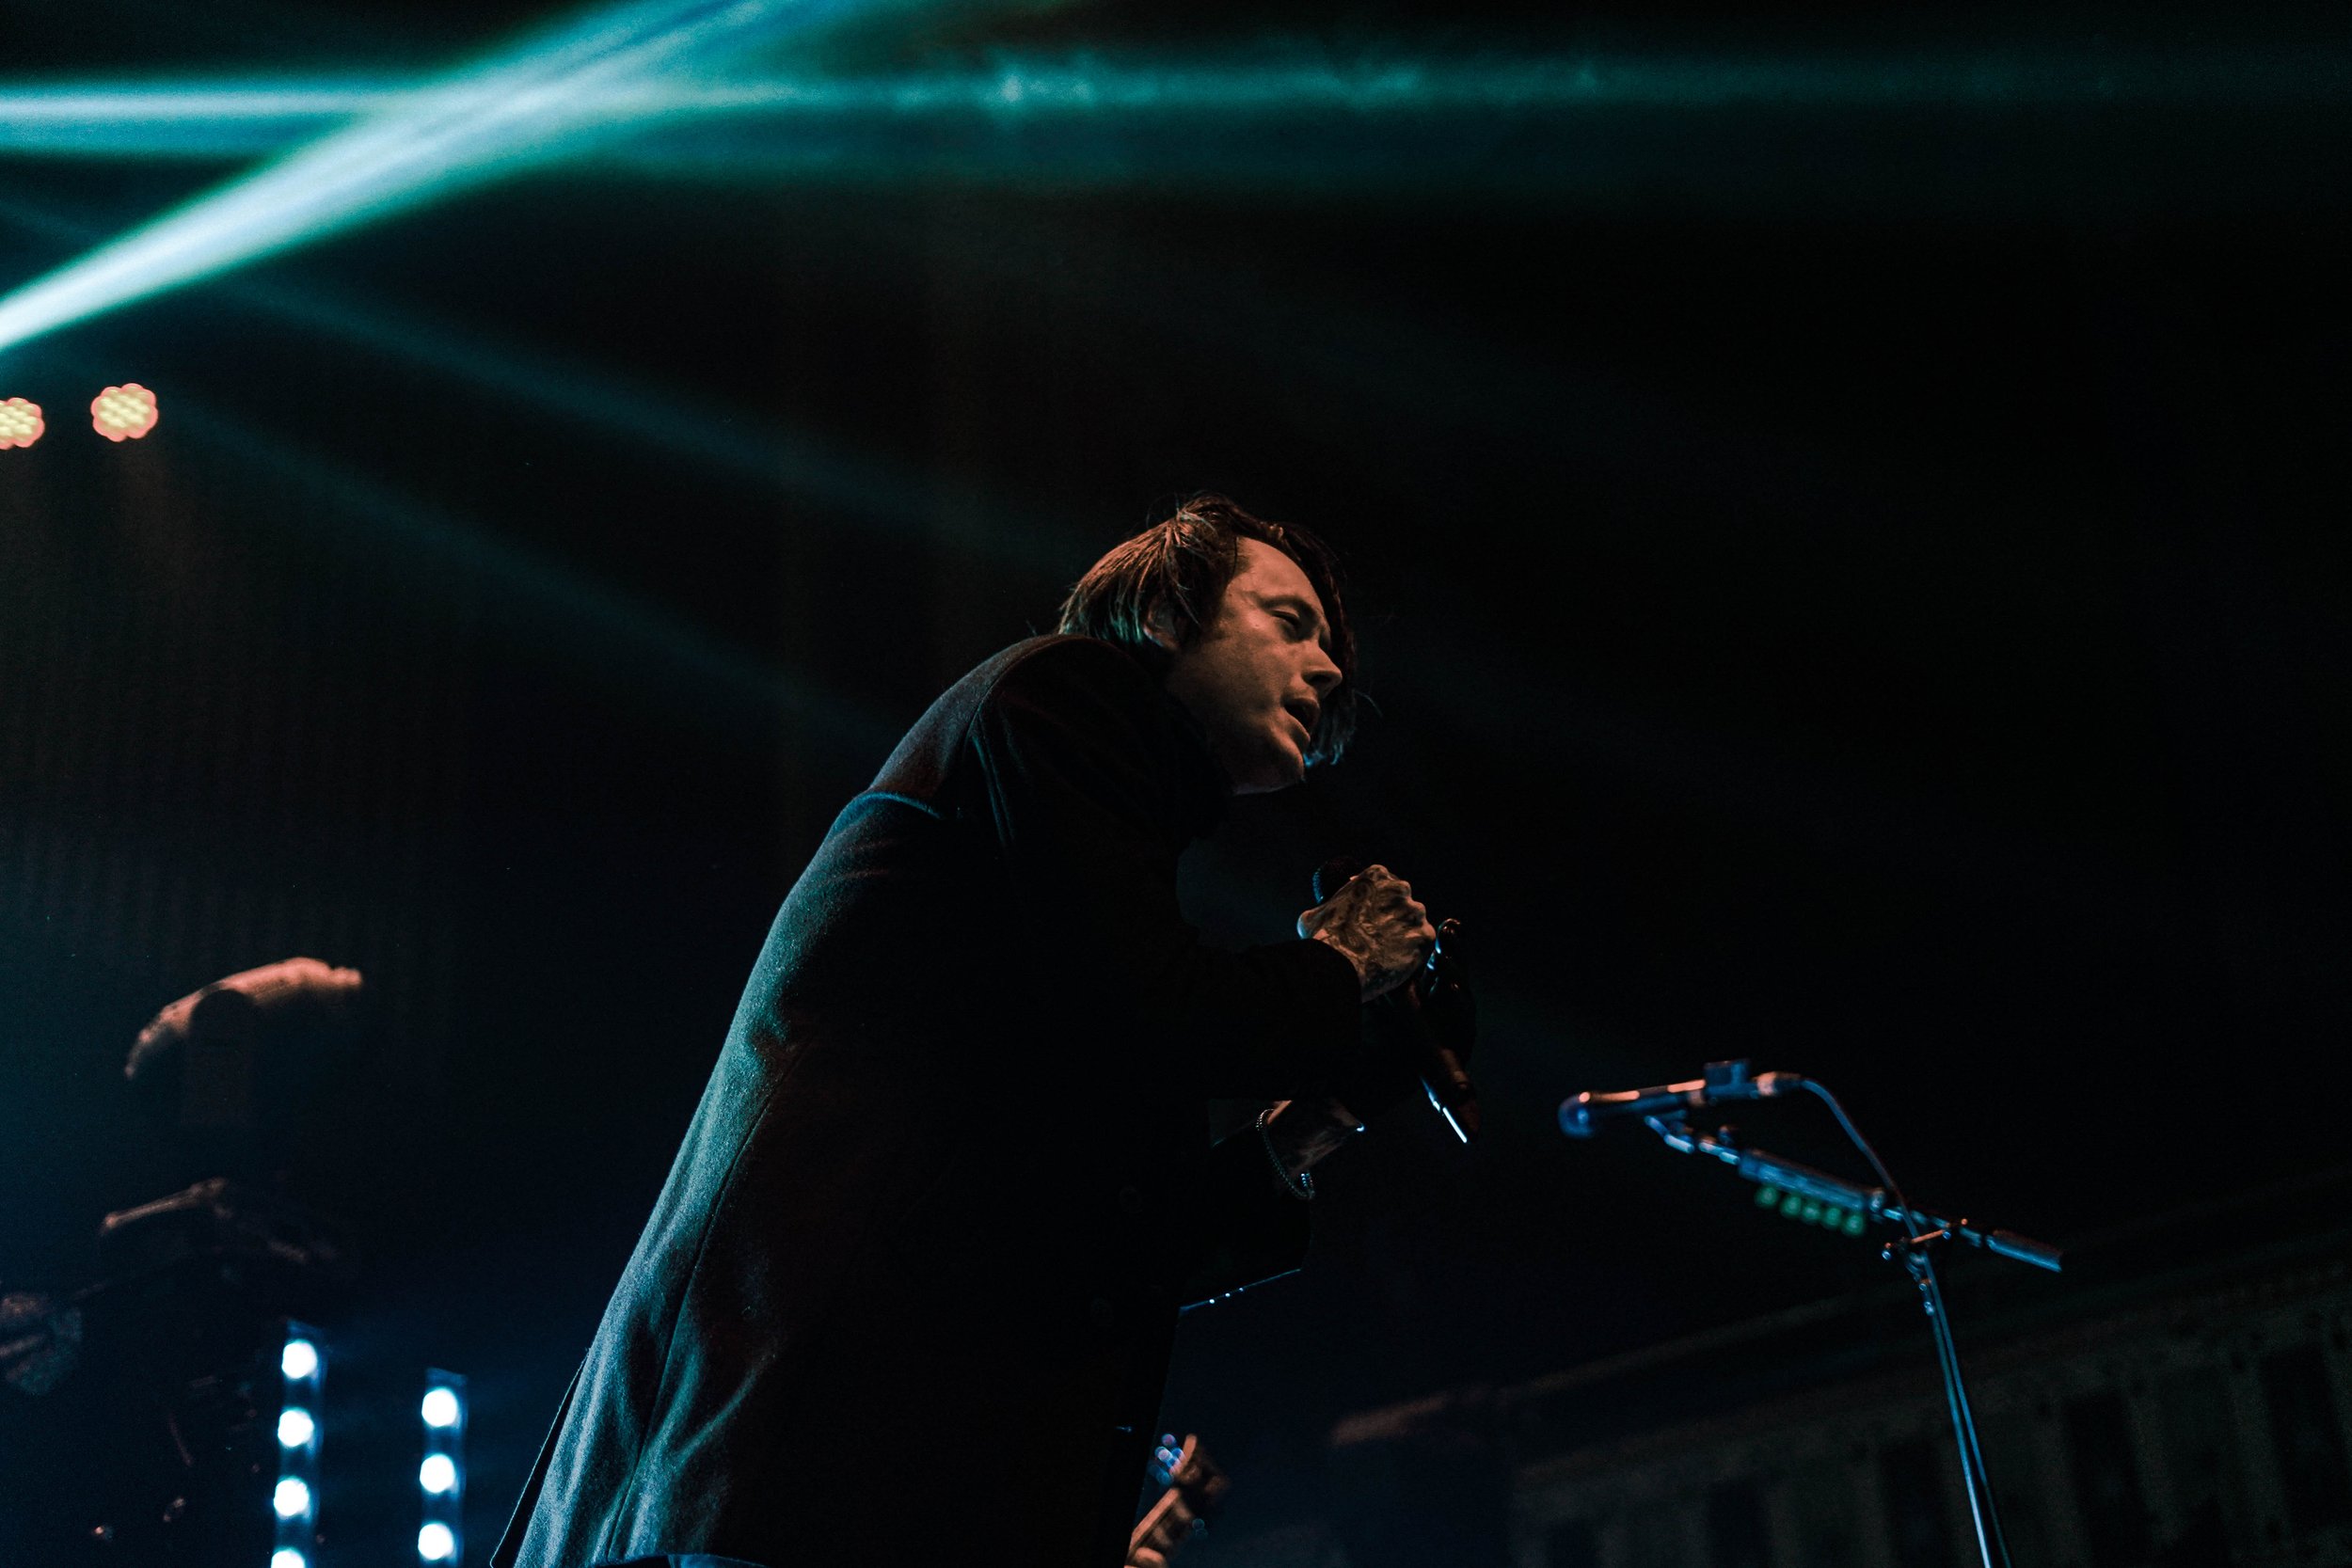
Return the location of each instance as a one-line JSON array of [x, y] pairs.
[[916, 1270]]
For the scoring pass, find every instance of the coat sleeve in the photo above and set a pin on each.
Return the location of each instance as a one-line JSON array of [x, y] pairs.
[[1081, 767]]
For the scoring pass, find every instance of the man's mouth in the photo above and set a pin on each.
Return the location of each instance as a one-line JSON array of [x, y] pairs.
[[1304, 713]]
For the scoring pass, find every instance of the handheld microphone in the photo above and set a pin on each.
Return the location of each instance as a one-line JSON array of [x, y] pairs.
[[1580, 1116], [1438, 1063]]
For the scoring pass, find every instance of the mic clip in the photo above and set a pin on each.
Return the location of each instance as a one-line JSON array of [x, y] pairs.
[[1718, 1082], [1726, 1081]]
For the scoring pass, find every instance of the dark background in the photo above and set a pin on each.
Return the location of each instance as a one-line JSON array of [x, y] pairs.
[[1853, 583]]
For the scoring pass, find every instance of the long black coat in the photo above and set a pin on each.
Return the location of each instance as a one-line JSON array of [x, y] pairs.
[[914, 1277]]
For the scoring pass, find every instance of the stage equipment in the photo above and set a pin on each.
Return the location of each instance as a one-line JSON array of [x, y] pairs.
[[441, 1475], [303, 1371], [193, 1399], [21, 423], [1918, 1232], [124, 413], [1437, 1008], [1810, 1210]]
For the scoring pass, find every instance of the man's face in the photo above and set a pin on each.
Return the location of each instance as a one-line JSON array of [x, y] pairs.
[[1256, 675]]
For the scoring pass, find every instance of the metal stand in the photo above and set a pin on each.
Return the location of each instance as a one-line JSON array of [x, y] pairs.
[[1919, 1234]]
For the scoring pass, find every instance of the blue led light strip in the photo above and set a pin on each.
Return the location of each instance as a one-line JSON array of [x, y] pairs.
[[441, 1471], [302, 1377]]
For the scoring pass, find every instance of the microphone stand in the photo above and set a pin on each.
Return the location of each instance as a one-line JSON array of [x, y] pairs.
[[1920, 1233]]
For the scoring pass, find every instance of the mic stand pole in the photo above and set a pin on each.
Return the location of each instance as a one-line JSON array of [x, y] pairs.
[[1921, 1233]]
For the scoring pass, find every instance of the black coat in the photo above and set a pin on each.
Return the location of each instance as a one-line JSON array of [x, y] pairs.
[[914, 1277]]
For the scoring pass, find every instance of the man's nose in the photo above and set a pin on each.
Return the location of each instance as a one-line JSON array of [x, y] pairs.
[[1322, 676]]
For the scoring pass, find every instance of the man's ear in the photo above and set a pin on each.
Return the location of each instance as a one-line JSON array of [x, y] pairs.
[[1160, 625]]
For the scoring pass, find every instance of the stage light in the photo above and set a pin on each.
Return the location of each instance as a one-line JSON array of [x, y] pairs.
[[523, 106], [124, 413], [295, 1497], [441, 1477], [21, 423]]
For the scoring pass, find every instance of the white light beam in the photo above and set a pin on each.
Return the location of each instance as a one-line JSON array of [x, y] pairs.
[[463, 129]]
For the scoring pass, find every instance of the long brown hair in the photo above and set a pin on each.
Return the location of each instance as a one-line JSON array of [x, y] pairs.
[[1177, 572]]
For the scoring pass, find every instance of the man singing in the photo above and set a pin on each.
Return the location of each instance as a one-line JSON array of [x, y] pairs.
[[912, 1284]]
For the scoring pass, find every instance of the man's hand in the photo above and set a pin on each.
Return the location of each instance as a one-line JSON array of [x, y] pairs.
[[1377, 922]]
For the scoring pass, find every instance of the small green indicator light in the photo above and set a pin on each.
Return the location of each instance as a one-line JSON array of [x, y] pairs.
[[1812, 1214], [1832, 1216], [1853, 1224], [1767, 1197], [1791, 1204]]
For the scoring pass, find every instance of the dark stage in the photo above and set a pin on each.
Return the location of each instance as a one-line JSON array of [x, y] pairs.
[[1845, 510]]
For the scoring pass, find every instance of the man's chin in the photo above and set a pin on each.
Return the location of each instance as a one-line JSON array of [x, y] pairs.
[[1290, 768], [1278, 764], [1274, 775]]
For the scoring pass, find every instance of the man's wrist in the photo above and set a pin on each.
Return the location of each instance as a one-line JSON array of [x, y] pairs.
[[1299, 1135]]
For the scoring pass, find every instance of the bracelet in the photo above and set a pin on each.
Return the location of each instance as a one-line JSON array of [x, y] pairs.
[[1302, 1187]]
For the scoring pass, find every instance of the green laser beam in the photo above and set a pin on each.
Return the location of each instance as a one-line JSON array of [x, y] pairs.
[[2031, 127], [234, 117]]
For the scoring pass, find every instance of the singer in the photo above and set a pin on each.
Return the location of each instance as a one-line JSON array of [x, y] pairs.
[[915, 1273]]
